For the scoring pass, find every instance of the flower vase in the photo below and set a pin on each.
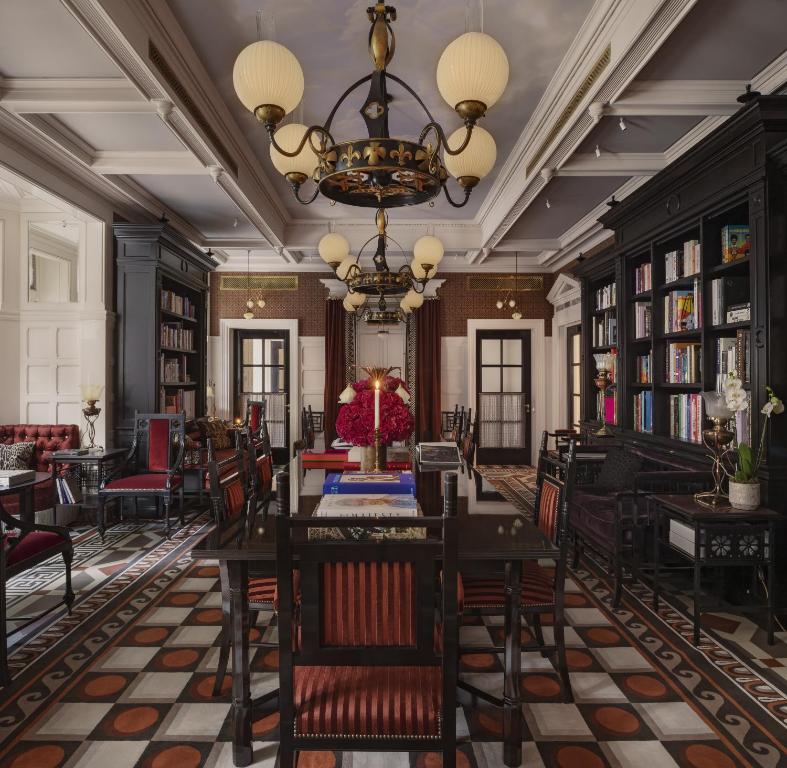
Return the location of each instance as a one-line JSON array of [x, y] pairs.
[[367, 458], [745, 495]]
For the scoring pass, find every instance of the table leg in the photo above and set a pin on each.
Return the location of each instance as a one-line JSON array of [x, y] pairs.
[[241, 685], [697, 584], [656, 554], [771, 582], [26, 505], [512, 702]]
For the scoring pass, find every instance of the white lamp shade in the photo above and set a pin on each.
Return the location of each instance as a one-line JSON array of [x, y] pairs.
[[419, 271], [333, 248], [477, 158], [344, 267], [347, 395], [266, 72], [356, 299], [413, 299], [348, 305], [288, 137], [405, 307], [403, 393], [428, 250], [516, 315], [474, 67]]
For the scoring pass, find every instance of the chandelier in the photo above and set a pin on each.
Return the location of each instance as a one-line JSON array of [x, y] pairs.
[[378, 287], [509, 301], [380, 171]]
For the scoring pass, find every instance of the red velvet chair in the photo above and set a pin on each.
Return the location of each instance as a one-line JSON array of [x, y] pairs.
[[255, 415], [47, 438], [26, 545], [156, 463]]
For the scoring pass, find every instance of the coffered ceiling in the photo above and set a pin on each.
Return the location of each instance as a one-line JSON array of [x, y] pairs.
[[135, 97]]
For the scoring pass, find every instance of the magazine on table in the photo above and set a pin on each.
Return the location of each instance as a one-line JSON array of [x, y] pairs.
[[367, 505], [438, 453]]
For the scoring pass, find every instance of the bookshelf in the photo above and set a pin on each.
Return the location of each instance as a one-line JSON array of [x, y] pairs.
[[699, 264], [162, 301]]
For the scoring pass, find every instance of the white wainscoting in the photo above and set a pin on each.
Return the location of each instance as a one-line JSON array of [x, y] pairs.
[[311, 356], [453, 378]]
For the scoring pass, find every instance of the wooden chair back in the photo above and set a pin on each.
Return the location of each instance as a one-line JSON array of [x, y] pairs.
[[159, 442], [229, 497]]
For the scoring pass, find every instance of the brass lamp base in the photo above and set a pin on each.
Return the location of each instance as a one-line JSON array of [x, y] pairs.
[[716, 440]]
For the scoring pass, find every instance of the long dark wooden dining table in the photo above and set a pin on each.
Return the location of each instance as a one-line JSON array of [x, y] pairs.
[[489, 543]]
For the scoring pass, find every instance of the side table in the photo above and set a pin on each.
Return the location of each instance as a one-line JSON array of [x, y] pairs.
[[89, 469], [714, 538]]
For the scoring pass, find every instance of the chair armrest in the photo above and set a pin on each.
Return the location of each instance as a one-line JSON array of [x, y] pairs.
[[9, 521], [120, 468]]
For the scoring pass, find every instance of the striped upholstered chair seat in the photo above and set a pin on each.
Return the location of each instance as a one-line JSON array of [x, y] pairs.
[[538, 589]]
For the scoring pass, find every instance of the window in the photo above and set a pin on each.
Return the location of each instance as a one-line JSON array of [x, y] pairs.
[[574, 371]]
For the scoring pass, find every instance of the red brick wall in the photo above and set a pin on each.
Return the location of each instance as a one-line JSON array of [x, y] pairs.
[[305, 305], [458, 304]]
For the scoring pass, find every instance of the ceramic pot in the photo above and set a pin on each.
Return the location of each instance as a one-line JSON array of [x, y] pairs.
[[745, 495], [367, 458]]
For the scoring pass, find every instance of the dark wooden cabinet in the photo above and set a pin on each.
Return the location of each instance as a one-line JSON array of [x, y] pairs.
[[736, 177], [162, 324]]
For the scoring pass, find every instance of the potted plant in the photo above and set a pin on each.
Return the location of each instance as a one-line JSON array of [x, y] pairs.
[[744, 483]]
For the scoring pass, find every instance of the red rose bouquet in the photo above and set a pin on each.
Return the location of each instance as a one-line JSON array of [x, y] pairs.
[[355, 422]]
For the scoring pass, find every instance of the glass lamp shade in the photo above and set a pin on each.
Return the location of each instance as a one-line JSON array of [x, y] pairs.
[[344, 267], [478, 157], [348, 305], [347, 395], [91, 392], [266, 72], [288, 137], [420, 272], [333, 248], [405, 307], [428, 250], [499, 304], [413, 299], [517, 315], [716, 406], [356, 299], [474, 67]]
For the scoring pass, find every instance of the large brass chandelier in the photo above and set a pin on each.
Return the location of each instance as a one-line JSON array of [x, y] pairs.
[[380, 171]]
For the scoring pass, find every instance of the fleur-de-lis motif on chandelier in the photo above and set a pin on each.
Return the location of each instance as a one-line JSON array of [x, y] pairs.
[[401, 154], [374, 153], [349, 156]]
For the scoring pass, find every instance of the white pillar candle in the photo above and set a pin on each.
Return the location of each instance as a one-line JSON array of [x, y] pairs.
[[377, 405]]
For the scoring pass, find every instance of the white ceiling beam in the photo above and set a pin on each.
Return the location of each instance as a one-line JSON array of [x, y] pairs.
[[65, 95], [528, 245], [613, 164], [168, 163]]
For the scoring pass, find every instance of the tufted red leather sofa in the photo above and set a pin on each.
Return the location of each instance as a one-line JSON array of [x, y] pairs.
[[47, 438]]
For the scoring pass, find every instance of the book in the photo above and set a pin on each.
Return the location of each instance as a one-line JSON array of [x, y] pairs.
[[369, 482], [367, 505], [643, 412], [684, 363], [643, 317], [64, 454], [11, 477], [645, 369], [446, 454], [739, 313], [735, 242], [682, 310], [726, 292], [743, 355], [643, 278], [606, 297], [685, 413], [682, 263]]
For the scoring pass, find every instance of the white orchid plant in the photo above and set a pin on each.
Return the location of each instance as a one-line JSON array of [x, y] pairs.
[[747, 465]]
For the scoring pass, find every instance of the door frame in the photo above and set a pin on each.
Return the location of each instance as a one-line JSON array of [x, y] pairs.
[[539, 367]]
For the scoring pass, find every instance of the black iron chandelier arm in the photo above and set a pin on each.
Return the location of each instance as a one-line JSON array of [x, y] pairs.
[[412, 93], [307, 136], [296, 190], [442, 139], [467, 191], [338, 104]]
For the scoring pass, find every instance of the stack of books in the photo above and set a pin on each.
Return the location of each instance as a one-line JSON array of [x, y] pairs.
[[606, 297], [733, 355], [643, 411], [401, 482], [643, 278], [180, 305], [685, 413], [645, 369], [684, 363], [605, 330], [12, 477], [683, 263], [643, 316], [683, 310], [67, 490]]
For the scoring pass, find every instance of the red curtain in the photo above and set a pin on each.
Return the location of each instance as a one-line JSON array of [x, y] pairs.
[[427, 371], [334, 366]]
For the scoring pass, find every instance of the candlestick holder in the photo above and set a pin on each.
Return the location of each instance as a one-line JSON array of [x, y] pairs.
[[91, 413], [380, 453], [716, 440]]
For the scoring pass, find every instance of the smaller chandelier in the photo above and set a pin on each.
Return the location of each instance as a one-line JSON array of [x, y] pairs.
[[377, 288]]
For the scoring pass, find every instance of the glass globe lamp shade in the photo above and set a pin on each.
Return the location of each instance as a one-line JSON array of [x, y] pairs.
[[428, 250], [413, 299], [356, 299], [716, 406], [478, 157], [261, 303], [516, 315], [250, 304], [474, 67], [344, 267], [419, 271], [511, 303], [268, 74], [499, 304], [288, 137], [405, 307], [248, 315], [333, 248]]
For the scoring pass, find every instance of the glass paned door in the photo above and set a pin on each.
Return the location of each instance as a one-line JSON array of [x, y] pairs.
[[574, 371], [503, 398], [262, 373]]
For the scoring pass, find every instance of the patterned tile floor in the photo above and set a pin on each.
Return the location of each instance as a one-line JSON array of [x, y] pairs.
[[126, 681]]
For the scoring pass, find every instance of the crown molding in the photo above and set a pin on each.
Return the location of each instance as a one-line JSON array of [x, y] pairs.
[[565, 288], [63, 95]]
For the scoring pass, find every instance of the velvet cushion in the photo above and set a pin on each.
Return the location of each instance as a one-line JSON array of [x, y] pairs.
[[16, 456], [32, 544], [593, 516], [255, 416], [548, 508], [619, 469], [234, 497], [151, 482], [47, 438], [262, 589], [265, 469], [368, 701], [538, 588], [217, 431], [158, 444]]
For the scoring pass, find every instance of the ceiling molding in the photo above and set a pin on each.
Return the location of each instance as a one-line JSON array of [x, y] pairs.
[[158, 163], [70, 95], [60, 135], [565, 288], [528, 245], [613, 164]]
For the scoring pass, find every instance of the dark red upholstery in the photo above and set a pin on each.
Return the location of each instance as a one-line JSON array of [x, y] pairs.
[[34, 543], [255, 417], [47, 438], [538, 588], [234, 497], [265, 469], [547, 508], [328, 459], [262, 589], [368, 701], [368, 604], [158, 444], [42, 498], [145, 482]]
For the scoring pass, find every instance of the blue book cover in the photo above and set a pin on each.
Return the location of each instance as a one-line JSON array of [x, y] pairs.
[[399, 482]]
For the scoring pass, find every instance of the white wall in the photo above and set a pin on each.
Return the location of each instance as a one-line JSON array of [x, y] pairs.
[[565, 297], [9, 315], [453, 378]]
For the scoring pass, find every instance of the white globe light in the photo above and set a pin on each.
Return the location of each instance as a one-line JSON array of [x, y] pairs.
[[428, 250], [356, 299], [511, 303], [477, 158], [261, 303], [249, 303], [333, 248], [266, 72], [419, 271], [516, 315], [405, 307], [344, 267], [474, 67], [348, 305], [288, 137], [499, 304], [413, 299]]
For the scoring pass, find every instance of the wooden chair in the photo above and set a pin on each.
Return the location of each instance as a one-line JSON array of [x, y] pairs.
[[24, 546], [255, 415], [456, 430], [542, 588], [156, 462], [469, 439], [229, 496], [352, 684], [259, 469]]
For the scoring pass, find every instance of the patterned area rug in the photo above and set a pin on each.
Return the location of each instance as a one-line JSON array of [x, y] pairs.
[[515, 482], [126, 682]]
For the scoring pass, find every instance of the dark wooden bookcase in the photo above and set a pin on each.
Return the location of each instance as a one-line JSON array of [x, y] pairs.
[[149, 261], [736, 176]]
